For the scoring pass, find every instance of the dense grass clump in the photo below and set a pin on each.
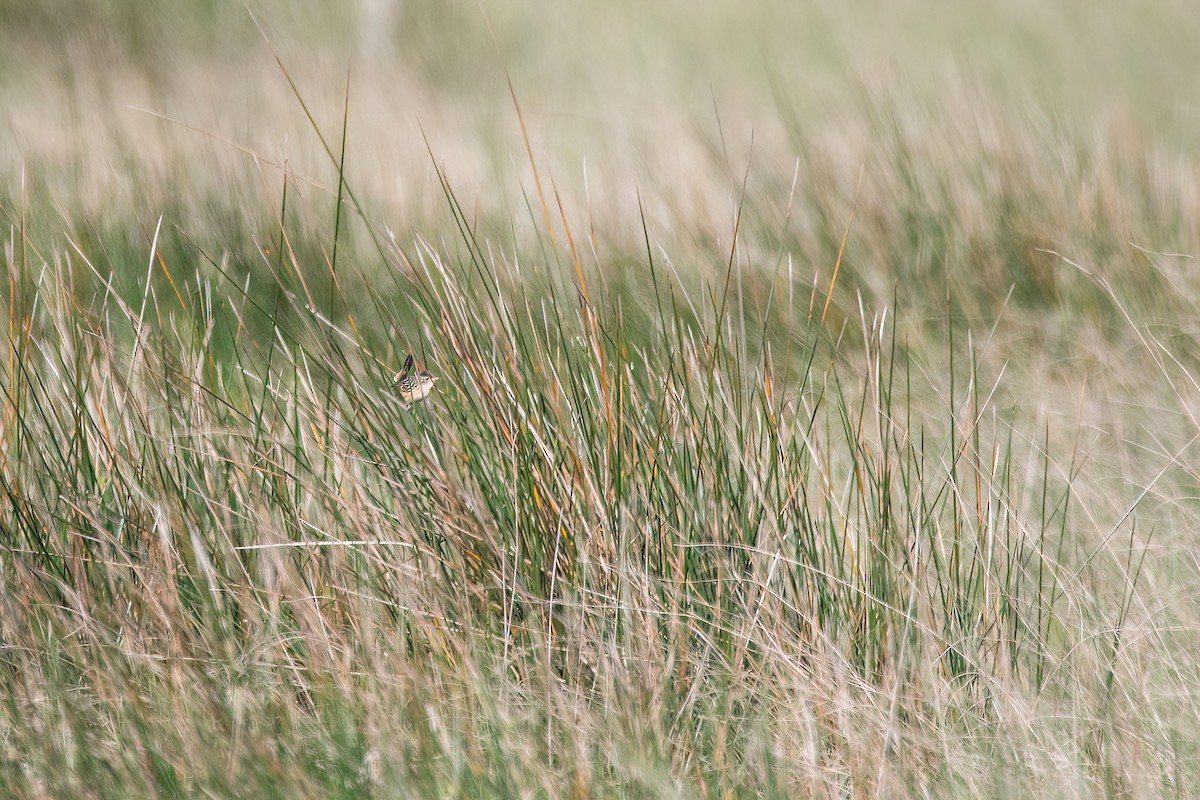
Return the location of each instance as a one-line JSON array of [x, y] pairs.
[[848, 457], [639, 541]]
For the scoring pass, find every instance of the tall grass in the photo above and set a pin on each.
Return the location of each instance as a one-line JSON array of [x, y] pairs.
[[740, 502], [645, 540]]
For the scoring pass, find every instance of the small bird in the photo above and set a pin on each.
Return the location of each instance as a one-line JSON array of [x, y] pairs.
[[413, 387]]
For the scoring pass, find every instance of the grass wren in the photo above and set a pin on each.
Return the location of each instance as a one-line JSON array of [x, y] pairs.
[[413, 387]]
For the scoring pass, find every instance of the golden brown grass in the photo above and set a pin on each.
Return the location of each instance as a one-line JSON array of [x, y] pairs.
[[679, 519]]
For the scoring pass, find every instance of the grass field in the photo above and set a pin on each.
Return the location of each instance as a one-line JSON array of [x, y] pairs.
[[817, 412]]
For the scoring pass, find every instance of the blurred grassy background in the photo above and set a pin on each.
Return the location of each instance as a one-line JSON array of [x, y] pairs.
[[623, 84], [978, 128]]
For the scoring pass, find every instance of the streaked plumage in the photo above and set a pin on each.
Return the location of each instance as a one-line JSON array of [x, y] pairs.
[[413, 387]]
